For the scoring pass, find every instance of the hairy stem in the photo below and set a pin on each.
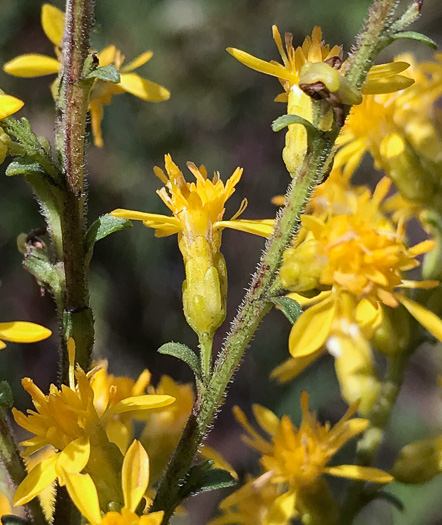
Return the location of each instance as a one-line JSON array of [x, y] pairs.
[[76, 318]]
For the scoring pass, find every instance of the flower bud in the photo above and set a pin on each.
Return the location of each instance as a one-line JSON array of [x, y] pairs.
[[316, 504], [419, 462], [355, 368], [301, 269], [205, 288], [393, 334]]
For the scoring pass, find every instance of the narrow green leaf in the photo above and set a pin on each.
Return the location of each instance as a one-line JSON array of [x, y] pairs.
[[6, 395], [216, 478], [106, 73], [184, 353], [102, 227], [413, 35], [286, 120], [24, 166], [37, 263], [289, 307], [389, 498], [202, 478]]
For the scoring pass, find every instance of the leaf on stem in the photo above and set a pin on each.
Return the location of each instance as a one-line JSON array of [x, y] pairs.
[[184, 353], [202, 478], [6, 395], [414, 35], [24, 166], [106, 73], [101, 228], [286, 120], [289, 307]]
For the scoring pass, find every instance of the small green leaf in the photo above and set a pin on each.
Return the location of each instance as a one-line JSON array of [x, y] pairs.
[[286, 120], [24, 166], [37, 263], [413, 35], [289, 307], [9, 519], [6, 396], [202, 478], [184, 353], [102, 227], [106, 73]]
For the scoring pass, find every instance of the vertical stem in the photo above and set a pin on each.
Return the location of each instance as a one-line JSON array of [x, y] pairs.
[[76, 318], [14, 466]]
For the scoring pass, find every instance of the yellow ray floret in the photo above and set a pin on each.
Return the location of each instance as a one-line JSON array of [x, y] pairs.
[[22, 332]]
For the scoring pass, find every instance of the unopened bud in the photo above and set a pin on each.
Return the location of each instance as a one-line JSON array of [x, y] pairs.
[[393, 334], [301, 268], [419, 462]]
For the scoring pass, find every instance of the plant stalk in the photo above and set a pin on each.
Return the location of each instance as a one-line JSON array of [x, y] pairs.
[[76, 318]]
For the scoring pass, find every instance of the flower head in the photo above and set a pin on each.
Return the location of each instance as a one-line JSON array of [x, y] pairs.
[[297, 458], [134, 483], [68, 422], [316, 64], [198, 210], [35, 65]]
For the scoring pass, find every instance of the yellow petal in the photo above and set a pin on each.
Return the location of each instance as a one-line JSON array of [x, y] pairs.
[[391, 146], [23, 332], [52, 21], [143, 88], [40, 477], [281, 509], [266, 419], [137, 62], [269, 68], [312, 328], [74, 457], [83, 493], [131, 404], [32, 65], [386, 85], [427, 319], [9, 105], [263, 227], [96, 113], [363, 473], [153, 518], [107, 55], [2, 345], [293, 367], [388, 69], [134, 475]]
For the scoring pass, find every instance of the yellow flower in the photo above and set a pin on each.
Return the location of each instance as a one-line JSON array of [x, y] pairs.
[[297, 63], [35, 65], [110, 390], [134, 481], [66, 420], [398, 130], [198, 210], [356, 261], [257, 501], [22, 332], [297, 458]]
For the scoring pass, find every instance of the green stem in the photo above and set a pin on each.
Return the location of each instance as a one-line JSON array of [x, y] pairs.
[[76, 318], [206, 345], [369, 444], [15, 467]]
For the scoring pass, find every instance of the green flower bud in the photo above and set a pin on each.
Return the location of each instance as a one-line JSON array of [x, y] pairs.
[[393, 335], [419, 462]]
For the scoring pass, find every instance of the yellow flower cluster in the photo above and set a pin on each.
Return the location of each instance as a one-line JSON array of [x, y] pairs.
[[294, 461]]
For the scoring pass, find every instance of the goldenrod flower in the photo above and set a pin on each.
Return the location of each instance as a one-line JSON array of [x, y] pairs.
[[257, 501], [382, 79], [397, 129], [66, 420], [198, 210], [22, 332], [356, 261], [35, 65], [134, 482], [297, 458]]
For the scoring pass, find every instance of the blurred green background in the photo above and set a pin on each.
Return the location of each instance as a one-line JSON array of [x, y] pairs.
[[219, 114]]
